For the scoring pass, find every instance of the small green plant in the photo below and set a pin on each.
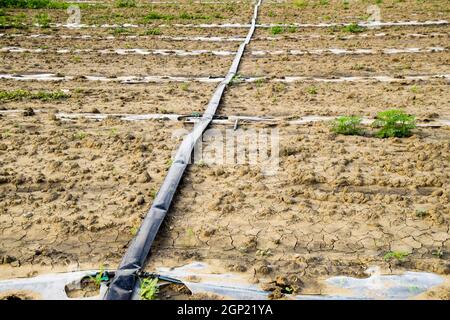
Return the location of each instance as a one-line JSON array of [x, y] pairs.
[[300, 3], [134, 230], [414, 89], [438, 253], [276, 30], [346, 4], [125, 3], [99, 277], [353, 28], [185, 86], [149, 289], [120, 30], [80, 135], [347, 125], [324, 2], [421, 213], [394, 123], [311, 90], [43, 20], [398, 255], [153, 15], [237, 78], [153, 32], [113, 132]]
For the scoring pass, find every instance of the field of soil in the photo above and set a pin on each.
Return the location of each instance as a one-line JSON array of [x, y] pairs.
[[336, 206], [338, 11], [73, 193]]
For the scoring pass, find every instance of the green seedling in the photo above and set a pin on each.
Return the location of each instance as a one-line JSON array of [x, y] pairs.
[[185, 86], [300, 3], [421, 213], [237, 78], [353, 28], [126, 3], [153, 15], [43, 20], [99, 277], [438, 253], [264, 253], [80, 135], [149, 289], [347, 125], [276, 30], [153, 32], [312, 90], [414, 89], [398, 255], [394, 123]]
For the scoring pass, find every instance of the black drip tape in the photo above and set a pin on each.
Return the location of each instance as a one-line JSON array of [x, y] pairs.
[[124, 281]]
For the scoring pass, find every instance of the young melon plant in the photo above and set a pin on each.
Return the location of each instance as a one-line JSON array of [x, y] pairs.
[[149, 289], [398, 255], [348, 125], [394, 123]]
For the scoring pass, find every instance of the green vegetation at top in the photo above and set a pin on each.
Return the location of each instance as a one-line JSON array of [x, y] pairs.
[[394, 123], [34, 4], [125, 3]]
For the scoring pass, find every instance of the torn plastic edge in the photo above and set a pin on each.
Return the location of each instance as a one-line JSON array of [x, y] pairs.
[[123, 284]]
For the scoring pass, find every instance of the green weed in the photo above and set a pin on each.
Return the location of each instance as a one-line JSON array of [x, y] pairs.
[[398, 255], [43, 20], [125, 3], [353, 28], [34, 4], [99, 277], [276, 30], [149, 289], [394, 123], [347, 125], [311, 90], [300, 3], [153, 32]]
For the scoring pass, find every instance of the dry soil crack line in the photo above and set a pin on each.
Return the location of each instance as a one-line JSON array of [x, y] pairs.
[[123, 284]]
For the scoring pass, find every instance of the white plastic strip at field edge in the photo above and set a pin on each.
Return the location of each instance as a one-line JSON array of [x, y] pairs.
[[225, 39], [186, 53], [193, 119], [165, 79]]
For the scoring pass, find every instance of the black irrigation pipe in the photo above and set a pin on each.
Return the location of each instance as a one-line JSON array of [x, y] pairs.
[[124, 280]]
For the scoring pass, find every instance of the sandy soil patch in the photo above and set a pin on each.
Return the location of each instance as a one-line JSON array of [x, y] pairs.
[[315, 11], [100, 97], [424, 99], [73, 194], [115, 65], [332, 65]]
